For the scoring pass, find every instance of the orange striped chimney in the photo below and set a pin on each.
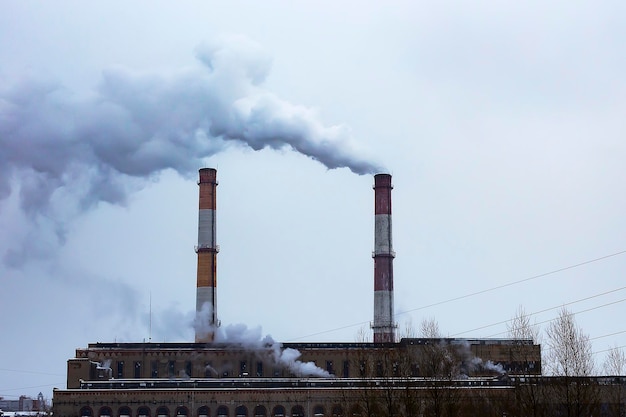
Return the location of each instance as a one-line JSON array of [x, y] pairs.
[[206, 291]]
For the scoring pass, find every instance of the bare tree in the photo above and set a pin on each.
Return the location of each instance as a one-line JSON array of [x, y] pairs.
[[615, 365], [429, 328], [615, 362], [439, 363], [362, 335], [529, 396], [408, 330], [570, 357], [569, 348], [520, 327]]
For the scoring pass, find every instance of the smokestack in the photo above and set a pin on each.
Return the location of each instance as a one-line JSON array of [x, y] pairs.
[[206, 293], [383, 326]]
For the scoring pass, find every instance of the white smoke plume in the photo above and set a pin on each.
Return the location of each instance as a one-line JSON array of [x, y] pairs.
[[202, 321], [477, 362], [64, 153], [106, 364], [239, 336], [105, 368]]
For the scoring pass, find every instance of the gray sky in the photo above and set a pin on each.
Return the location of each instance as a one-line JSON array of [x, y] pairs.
[[502, 125]]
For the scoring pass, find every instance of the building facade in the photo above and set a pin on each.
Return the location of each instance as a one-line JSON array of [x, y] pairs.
[[295, 379]]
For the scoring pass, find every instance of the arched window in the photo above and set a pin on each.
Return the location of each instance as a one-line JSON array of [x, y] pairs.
[[163, 412], [279, 411], [105, 412], [204, 411], [260, 411], [337, 411], [124, 412], [143, 412], [297, 411], [318, 411], [222, 411], [86, 412], [182, 412], [356, 411], [241, 411]]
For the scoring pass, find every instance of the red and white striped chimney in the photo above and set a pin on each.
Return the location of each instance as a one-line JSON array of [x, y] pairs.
[[383, 325], [206, 291]]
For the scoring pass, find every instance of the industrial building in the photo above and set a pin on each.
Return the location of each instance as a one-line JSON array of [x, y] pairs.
[[23, 404], [208, 378]]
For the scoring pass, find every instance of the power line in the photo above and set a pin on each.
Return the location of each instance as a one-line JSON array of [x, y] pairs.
[[28, 372], [470, 294], [541, 311], [513, 283], [34, 386], [616, 347], [578, 312], [599, 337], [607, 335]]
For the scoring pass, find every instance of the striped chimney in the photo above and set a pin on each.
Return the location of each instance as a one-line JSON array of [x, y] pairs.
[[206, 292], [383, 326]]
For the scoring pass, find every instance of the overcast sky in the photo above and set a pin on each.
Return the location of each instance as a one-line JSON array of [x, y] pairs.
[[503, 127]]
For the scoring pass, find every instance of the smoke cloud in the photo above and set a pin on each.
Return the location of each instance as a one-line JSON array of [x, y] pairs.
[[64, 153], [477, 363], [240, 336]]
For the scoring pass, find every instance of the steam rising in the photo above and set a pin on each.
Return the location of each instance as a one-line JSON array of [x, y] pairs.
[[489, 365], [251, 339], [239, 336], [65, 154]]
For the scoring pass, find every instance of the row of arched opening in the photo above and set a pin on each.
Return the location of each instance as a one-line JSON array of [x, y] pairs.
[[220, 411]]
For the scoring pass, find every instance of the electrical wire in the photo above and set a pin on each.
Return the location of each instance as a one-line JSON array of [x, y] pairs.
[[578, 312], [470, 294], [540, 311], [29, 372], [34, 386]]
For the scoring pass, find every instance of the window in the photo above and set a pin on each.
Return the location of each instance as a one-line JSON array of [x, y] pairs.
[[182, 412], [318, 411], [105, 412], [163, 412], [243, 368], [143, 412], [337, 411], [297, 411], [171, 368], [154, 369], [241, 411], [379, 369], [346, 369], [259, 369], [356, 411], [222, 411], [124, 412], [120, 369], [329, 367], [188, 369], [279, 411], [203, 411], [137, 369], [260, 411]]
